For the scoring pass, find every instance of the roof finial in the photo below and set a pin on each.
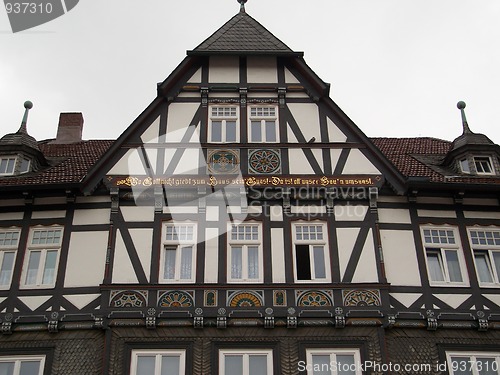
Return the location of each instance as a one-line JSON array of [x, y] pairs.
[[27, 105], [461, 106], [242, 5]]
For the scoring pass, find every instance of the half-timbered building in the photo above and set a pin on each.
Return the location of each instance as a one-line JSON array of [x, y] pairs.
[[243, 224]]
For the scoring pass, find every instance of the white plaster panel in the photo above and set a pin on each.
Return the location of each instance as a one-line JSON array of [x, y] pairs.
[[307, 117], [11, 216], [34, 302], [400, 257], [50, 200], [394, 215], [454, 300], [152, 155], [143, 242], [12, 202], [150, 135], [387, 199], [189, 162], [276, 213], [435, 200], [436, 213], [211, 255], [123, 271], [212, 213], [129, 164], [180, 116], [335, 134], [278, 255], [298, 162], [262, 69], [407, 299], [254, 210], [196, 77], [81, 300], [139, 213], [495, 298], [86, 259], [92, 216], [224, 69], [350, 212], [366, 269], [482, 215], [233, 210], [314, 210], [295, 95], [180, 210], [290, 78], [48, 214], [335, 156], [480, 202], [346, 238], [188, 94], [357, 163], [291, 135]]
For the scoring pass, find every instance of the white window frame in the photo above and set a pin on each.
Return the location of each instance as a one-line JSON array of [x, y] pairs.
[[16, 167], [214, 114], [244, 244], [488, 160], [489, 247], [245, 354], [18, 359], [333, 365], [8, 249], [312, 244], [178, 244], [158, 355], [442, 249], [44, 249], [263, 117], [472, 363]]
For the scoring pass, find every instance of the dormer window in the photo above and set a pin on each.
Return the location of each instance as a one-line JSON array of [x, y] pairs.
[[12, 165], [483, 165], [477, 165]]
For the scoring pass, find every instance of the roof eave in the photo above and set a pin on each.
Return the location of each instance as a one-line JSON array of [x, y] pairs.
[[245, 53]]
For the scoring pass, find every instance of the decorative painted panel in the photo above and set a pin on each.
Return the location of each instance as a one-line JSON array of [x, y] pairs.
[[223, 161], [210, 298], [356, 297], [279, 298], [245, 298], [264, 161], [128, 298], [176, 298], [314, 298]]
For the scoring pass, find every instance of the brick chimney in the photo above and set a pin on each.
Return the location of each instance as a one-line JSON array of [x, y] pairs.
[[70, 128]]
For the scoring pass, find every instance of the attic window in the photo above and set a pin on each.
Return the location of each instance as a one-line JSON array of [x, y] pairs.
[[483, 165], [464, 166], [11, 165]]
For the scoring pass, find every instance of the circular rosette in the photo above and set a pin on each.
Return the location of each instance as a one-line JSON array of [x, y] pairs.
[[264, 161]]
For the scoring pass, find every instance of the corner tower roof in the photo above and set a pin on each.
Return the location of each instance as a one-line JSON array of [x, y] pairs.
[[243, 35]]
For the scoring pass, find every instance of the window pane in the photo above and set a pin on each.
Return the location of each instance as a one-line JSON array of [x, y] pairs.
[[461, 364], [303, 262], [25, 166], [487, 366], [6, 368], [346, 364], [319, 262], [30, 368], [186, 262], [483, 269], [49, 273], [236, 262], [270, 131], [257, 365], [145, 365], [216, 131], [33, 264], [230, 131], [496, 260], [170, 365], [233, 365], [321, 364], [253, 262], [453, 266], [435, 270], [464, 165], [256, 132], [6, 270], [169, 266]]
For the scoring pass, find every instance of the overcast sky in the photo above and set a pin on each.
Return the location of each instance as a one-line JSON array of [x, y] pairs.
[[396, 67]]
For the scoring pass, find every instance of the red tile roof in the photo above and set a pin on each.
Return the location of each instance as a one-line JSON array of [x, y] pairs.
[[70, 164]]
